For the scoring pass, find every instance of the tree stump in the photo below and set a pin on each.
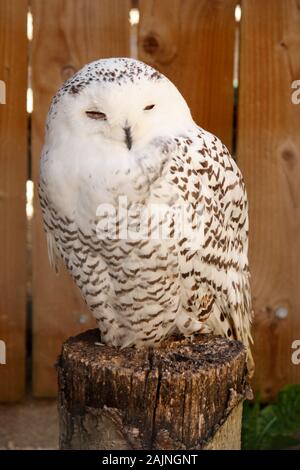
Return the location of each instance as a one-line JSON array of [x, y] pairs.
[[182, 395]]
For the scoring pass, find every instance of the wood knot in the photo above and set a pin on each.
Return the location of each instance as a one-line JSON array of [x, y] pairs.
[[67, 71], [150, 44], [288, 155], [283, 44], [158, 47]]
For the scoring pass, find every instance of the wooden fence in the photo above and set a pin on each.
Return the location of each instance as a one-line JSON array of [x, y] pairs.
[[193, 43]]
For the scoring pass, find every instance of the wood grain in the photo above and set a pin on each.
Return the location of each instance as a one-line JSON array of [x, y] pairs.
[[192, 43], [13, 174], [269, 156], [67, 34]]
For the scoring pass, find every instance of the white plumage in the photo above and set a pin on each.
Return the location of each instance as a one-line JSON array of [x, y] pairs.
[[120, 129]]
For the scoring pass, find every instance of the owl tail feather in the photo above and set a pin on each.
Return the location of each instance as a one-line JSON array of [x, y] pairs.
[[52, 253]]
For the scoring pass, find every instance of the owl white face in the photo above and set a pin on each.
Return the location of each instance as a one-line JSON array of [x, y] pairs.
[[119, 103]]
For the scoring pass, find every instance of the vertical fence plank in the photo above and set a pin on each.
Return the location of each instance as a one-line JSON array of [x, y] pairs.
[[269, 156], [67, 34], [192, 43], [13, 172]]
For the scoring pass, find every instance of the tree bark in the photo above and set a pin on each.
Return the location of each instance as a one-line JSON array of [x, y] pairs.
[[182, 395]]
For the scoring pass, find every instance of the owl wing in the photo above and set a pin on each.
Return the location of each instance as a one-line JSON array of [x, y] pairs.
[[213, 262]]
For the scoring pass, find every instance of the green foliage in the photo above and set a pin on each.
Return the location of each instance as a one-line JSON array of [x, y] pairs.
[[273, 426]]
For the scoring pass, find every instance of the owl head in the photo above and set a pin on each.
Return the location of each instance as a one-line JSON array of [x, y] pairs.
[[121, 102]]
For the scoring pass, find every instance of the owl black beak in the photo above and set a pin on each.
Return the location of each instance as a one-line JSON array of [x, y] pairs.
[[128, 137]]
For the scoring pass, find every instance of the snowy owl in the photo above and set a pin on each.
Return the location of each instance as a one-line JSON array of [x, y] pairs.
[[120, 141]]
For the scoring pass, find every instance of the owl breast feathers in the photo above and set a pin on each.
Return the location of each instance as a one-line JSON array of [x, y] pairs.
[[147, 211]]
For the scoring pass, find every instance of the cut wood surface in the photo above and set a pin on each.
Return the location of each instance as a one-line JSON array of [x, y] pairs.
[[173, 397], [13, 175], [269, 157], [67, 35], [192, 43]]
